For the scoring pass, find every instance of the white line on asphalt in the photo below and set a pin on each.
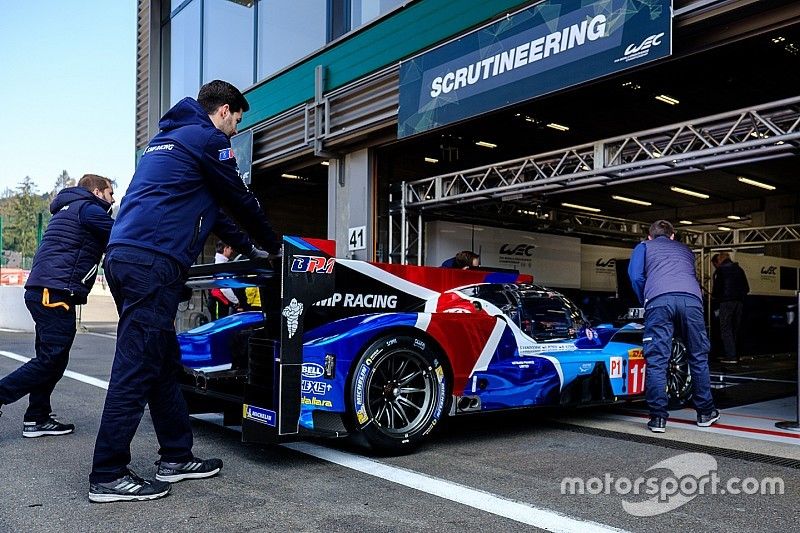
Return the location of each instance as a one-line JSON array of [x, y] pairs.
[[68, 373], [455, 492], [105, 335]]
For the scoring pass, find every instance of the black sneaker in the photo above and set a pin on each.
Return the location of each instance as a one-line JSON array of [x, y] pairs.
[[129, 487], [657, 424], [49, 427], [192, 469], [706, 420]]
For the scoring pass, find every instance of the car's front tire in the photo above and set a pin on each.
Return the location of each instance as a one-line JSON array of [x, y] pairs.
[[398, 393]]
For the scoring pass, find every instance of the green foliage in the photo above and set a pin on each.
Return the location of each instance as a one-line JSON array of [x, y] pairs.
[[20, 212]]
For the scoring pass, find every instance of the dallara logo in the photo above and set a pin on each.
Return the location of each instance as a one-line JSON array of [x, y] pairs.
[[518, 249]]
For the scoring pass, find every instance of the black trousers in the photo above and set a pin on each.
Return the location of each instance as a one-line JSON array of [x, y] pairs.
[[730, 318]]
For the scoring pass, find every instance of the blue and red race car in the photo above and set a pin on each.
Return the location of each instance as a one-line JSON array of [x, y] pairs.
[[386, 350]]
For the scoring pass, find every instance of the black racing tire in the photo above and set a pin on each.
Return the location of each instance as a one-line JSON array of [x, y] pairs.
[[679, 376], [399, 392]]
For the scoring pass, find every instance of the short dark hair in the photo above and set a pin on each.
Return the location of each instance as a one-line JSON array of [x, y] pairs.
[[661, 227], [91, 182], [464, 258], [217, 93], [221, 247]]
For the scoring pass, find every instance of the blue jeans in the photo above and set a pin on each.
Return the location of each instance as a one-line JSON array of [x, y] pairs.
[[146, 287], [680, 315], [55, 332]]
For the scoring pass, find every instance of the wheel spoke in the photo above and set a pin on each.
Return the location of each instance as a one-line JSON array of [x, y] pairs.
[[410, 390], [380, 413], [409, 377], [405, 401], [400, 368], [401, 414]]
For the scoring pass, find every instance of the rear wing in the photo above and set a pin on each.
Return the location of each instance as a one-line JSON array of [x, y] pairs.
[[270, 388]]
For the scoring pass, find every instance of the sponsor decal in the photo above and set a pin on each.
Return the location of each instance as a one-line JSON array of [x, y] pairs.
[[361, 380], [226, 154], [312, 370], [369, 301], [615, 367], [330, 366], [585, 368], [292, 313], [361, 415], [636, 370], [259, 414], [637, 51], [315, 402], [437, 413], [158, 148], [530, 349], [636, 353], [312, 263], [318, 388], [769, 271], [605, 263], [419, 343]]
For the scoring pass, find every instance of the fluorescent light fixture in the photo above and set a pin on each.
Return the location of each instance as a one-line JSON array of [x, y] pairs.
[[755, 183], [431, 160], [667, 99], [558, 127], [687, 222], [630, 200], [734, 217], [291, 176], [582, 207], [325, 163], [688, 192], [724, 228], [778, 39], [486, 144]]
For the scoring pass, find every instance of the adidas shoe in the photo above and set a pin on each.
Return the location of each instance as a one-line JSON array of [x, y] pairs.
[[50, 427], [193, 469], [129, 487]]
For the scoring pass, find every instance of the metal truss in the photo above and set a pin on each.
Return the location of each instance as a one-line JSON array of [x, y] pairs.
[[752, 237], [747, 135], [744, 136]]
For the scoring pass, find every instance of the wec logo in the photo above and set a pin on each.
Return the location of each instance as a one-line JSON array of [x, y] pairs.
[[520, 249], [653, 40], [769, 271], [602, 263], [313, 264]]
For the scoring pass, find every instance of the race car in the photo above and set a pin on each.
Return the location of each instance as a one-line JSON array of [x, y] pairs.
[[386, 351]]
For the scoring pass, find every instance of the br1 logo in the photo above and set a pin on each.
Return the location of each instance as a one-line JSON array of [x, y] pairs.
[[312, 263]]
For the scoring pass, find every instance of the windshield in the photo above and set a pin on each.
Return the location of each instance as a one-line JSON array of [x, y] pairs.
[[549, 317]]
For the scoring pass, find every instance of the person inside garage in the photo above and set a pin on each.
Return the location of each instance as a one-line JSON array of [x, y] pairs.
[[63, 272], [662, 272], [728, 292], [186, 175], [464, 260], [222, 301]]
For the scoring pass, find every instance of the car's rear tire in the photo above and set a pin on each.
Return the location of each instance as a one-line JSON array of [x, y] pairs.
[[398, 393], [679, 377]]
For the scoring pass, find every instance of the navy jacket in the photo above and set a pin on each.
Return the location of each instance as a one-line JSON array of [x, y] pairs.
[[730, 283], [662, 266], [73, 244], [185, 176]]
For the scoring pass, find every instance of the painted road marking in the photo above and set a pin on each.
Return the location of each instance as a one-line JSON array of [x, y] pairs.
[[455, 492]]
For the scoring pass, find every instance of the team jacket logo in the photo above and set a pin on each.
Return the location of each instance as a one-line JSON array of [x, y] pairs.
[[653, 40], [520, 249], [226, 154], [311, 263], [159, 147]]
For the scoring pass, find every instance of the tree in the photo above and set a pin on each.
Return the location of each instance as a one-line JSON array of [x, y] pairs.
[[23, 211], [63, 181]]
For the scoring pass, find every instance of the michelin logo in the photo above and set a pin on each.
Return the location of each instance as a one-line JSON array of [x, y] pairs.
[[292, 313], [259, 414]]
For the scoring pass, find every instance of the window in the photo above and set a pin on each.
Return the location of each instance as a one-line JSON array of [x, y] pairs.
[[287, 31], [363, 11], [228, 42], [184, 53]]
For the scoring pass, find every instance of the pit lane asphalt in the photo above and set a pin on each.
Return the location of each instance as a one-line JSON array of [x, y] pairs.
[[43, 482]]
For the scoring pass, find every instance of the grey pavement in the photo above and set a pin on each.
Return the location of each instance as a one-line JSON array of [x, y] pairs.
[[519, 456]]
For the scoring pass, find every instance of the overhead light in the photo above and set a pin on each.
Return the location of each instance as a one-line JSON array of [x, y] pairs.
[[582, 207], [667, 99], [724, 228], [778, 39], [755, 183], [630, 200], [689, 193], [558, 127], [486, 144], [734, 217], [291, 176], [518, 114], [687, 222], [631, 85], [431, 160], [325, 163]]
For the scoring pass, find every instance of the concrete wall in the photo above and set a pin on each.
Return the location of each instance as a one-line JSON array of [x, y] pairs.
[[13, 313]]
